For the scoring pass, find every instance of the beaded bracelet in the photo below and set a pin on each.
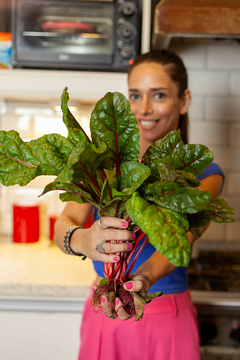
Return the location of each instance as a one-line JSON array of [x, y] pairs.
[[67, 240]]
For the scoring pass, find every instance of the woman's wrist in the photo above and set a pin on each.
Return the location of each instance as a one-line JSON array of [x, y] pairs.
[[76, 241], [71, 241]]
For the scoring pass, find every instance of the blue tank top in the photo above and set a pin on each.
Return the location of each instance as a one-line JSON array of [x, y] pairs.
[[176, 281]]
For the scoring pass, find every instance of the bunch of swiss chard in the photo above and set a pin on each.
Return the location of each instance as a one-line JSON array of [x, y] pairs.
[[159, 197]]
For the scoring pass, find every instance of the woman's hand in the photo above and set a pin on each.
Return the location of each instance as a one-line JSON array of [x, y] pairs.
[[103, 240], [137, 283], [153, 269]]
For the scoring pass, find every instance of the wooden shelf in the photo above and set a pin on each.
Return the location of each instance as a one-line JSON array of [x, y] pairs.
[[195, 19]]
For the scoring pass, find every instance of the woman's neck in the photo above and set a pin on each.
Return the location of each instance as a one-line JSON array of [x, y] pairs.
[[143, 147]]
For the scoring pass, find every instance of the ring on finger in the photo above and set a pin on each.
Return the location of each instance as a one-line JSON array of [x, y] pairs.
[[100, 225], [100, 248]]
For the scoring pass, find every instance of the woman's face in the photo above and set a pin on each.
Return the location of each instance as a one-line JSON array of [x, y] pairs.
[[154, 101]]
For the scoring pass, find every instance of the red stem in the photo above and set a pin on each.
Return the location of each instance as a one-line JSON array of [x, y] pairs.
[[135, 259], [134, 248]]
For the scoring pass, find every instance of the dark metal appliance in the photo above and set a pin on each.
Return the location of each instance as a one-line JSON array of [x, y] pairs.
[[76, 34], [214, 281]]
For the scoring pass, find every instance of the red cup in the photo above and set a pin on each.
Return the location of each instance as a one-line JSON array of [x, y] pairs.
[[52, 219], [25, 223]]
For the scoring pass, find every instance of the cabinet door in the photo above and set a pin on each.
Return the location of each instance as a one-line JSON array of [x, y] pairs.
[[38, 336]]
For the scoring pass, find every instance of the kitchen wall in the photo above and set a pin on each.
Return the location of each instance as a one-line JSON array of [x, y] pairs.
[[214, 78]]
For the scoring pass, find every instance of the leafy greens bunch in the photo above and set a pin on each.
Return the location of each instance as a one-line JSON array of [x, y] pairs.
[[158, 197]]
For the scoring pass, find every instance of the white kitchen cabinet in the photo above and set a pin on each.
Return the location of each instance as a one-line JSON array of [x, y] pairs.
[[38, 336], [39, 328]]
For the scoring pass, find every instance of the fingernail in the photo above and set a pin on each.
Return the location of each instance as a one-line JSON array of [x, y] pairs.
[[129, 285], [130, 246], [102, 299], [124, 223], [116, 258], [133, 235], [116, 301]]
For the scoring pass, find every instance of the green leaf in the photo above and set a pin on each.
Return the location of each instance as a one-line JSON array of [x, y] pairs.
[[182, 218], [120, 195], [104, 281], [191, 179], [148, 297], [164, 230], [174, 197], [162, 148], [190, 158], [168, 173], [113, 123], [132, 176], [202, 218], [140, 299], [83, 164], [72, 192], [220, 205], [117, 207], [21, 162], [76, 133], [53, 151], [197, 231]]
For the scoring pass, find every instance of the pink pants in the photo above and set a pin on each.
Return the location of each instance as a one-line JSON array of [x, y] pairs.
[[168, 331]]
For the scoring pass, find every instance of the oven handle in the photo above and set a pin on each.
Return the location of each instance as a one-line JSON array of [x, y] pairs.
[[217, 298]]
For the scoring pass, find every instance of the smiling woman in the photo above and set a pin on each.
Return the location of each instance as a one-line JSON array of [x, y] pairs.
[[159, 96]]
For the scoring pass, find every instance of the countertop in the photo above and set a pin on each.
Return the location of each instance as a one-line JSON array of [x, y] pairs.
[[41, 269]]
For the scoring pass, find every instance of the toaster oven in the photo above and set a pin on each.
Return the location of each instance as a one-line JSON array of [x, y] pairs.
[[75, 34]]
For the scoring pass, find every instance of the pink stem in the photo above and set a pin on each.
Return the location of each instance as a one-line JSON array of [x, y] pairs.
[[136, 257], [134, 248]]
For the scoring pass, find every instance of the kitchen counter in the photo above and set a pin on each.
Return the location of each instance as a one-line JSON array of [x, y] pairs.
[[41, 269]]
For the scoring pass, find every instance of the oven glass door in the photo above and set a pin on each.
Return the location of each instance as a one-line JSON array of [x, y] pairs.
[[65, 30]]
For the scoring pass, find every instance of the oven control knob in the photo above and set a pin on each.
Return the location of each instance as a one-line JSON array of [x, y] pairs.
[[235, 331], [208, 331], [126, 31], [125, 52], [128, 8]]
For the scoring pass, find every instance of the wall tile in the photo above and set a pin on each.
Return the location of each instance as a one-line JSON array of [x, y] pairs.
[[236, 83], [192, 56], [208, 133], [233, 184], [234, 134], [224, 57], [196, 108], [208, 82], [226, 158], [220, 108], [214, 232], [233, 231]]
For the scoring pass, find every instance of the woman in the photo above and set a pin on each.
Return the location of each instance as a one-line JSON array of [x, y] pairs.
[[159, 98]]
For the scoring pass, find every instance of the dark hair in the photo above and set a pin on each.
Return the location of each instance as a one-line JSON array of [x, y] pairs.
[[177, 72]]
